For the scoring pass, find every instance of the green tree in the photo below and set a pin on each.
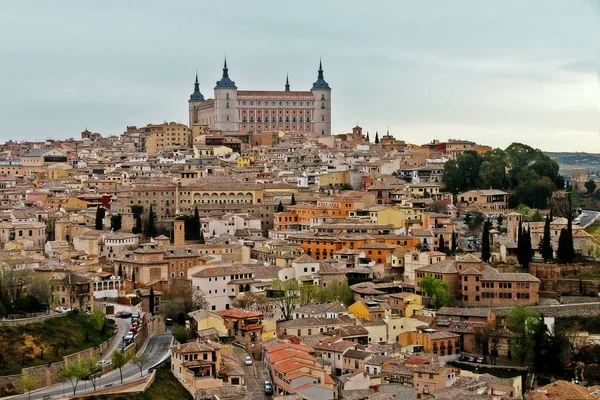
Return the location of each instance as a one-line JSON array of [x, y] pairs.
[[29, 383], [462, 173], [120, 271], [119, 360], [97, 320], [485, 242], [74, 373], [590, 186], [182, 334], [523, 322], [500, 220], [437, 289], [100, 212], [285, 296], [197, 225], [116, 221], [151, 225], [140, 361], [492, 173], [280, 207], [376, 137], [138, 225], [454, 242], [547, 252], [442, 245], [537, 217], [151, 301], [137, 210], [566, 250], [293, 202]]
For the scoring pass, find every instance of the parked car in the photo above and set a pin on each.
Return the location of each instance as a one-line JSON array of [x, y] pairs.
[[133, 329], [248, 360], [129, 335], [169, 321], [136, 315], [125, 314], [479, 360], [268, 389], [62, 310], [118, 314], [135, 320], [123, 344]]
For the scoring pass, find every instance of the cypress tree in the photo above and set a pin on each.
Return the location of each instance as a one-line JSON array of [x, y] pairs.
[[280, 207], [293, 200], [120, 271], [547, 252], [133, 278], [454, 242], [566, 251], [196, 225], [100, 212], [151, 227], [138, 225], [368, 140], [376, 137], [485, 242], [151, 301], [520, 243], [527, 254], [442, 247]]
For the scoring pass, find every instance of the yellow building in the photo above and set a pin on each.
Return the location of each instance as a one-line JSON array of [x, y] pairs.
[[60, 170], [244, 161], [166, 135]]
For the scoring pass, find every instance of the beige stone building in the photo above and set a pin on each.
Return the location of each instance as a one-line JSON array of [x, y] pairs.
[[167, 135], [257, 111]]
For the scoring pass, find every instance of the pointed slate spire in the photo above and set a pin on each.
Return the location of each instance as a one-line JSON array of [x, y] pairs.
[[320, 69], [225, 69], [225, 82], [320, 83], [196, 95], [287, 83]]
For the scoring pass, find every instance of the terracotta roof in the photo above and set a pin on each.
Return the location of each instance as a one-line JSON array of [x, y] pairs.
[[239, 314]]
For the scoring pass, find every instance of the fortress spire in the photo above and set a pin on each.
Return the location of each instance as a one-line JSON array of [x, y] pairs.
[[287, 83]]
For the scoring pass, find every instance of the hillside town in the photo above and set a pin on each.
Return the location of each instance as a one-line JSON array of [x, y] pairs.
[[272, 257]]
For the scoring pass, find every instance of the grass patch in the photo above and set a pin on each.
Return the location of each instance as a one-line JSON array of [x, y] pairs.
[[594, 230], [165, 387], [44, 342], [590, 277]]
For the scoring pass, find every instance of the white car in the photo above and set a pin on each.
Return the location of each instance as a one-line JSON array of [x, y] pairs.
[[248, 360], [61, 309], [103, 363], [129, 336]]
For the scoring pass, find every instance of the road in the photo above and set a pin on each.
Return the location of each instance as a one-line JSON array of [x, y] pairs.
[[589, 218], [255, 375], [157, 349], [123, 324]]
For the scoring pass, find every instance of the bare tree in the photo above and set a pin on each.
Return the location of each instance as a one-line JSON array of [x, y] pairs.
[[140, 361], [286, 296]]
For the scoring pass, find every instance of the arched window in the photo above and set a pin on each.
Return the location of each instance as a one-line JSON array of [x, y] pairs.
[[227, 96]]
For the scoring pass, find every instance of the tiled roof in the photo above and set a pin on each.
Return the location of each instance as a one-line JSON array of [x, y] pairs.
[[239, 314]]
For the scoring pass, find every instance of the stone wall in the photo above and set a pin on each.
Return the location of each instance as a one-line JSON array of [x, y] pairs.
[[556, 271], [25, 321], [570, 287], [49, 374]]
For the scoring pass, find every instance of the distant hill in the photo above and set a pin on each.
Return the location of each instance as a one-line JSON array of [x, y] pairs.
[[576, 160]]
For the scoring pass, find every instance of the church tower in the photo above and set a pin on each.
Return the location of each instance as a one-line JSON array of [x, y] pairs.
[[196, 99], [322, 112], [226, 103]]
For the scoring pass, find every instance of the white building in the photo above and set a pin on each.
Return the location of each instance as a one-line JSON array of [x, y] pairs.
[[229, 224], [221, 284]]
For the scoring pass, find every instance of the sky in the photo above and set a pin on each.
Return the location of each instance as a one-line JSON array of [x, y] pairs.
[[494, 72]]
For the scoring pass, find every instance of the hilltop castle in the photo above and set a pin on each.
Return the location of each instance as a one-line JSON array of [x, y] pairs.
[[254, 111]]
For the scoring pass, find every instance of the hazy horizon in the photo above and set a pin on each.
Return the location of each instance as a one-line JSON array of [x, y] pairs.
[[493, 72]]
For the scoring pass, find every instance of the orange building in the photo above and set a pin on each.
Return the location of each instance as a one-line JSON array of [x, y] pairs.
[[322, 246]]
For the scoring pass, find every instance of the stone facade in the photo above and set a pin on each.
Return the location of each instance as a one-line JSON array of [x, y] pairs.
[[256, 111]]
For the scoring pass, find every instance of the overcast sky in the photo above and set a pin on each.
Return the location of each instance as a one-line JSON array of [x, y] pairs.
[[490, 71]]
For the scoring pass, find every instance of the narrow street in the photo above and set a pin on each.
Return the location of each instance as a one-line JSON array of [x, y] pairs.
[[255, 375]]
